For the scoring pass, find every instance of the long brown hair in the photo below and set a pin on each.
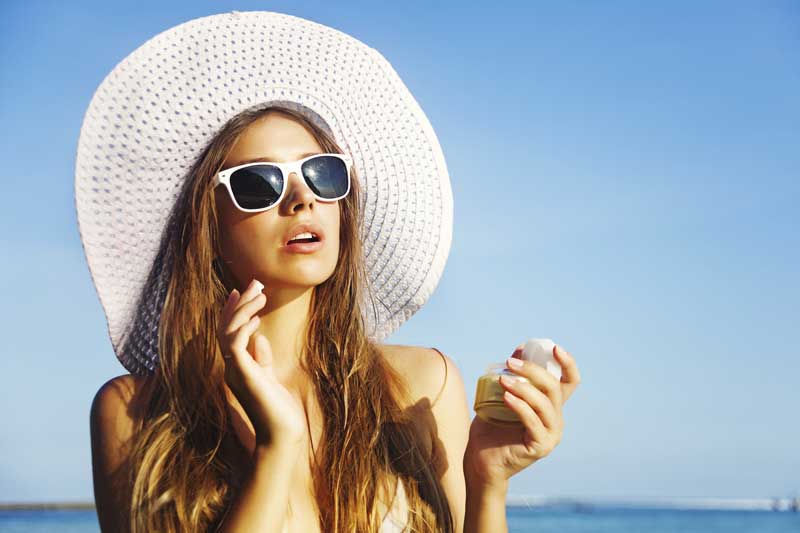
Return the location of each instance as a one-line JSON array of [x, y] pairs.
[[186, 465]]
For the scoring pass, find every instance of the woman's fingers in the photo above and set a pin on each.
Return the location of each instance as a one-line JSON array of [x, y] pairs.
[[230, 305], [263, 350], [238, 323], [253, 289], [570, 376], [528, 417], [245, 311], [239, 343], [539, 378], [236, 299], [538, 400]]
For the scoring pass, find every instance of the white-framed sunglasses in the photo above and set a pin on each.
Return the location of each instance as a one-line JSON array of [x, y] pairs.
[[256, 187]]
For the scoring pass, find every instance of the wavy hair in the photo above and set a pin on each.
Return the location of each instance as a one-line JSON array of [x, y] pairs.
[[186, 466]]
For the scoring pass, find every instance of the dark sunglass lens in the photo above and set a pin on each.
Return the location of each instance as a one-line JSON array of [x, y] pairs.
[[326, 175], [257, 186]]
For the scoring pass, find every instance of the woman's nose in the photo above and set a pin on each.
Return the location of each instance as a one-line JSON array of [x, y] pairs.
[[298, 192]]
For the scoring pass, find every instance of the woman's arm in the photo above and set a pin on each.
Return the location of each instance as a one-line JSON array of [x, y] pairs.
[[486, 506], [495, 453], [261, 506]]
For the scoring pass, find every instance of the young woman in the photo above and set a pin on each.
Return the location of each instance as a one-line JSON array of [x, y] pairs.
[[269, 406]]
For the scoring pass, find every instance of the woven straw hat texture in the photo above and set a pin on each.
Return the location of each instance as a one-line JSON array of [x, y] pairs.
[[153, 114]]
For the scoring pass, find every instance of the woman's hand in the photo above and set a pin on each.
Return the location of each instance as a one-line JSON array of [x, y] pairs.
[[277, 416], [495, 453]]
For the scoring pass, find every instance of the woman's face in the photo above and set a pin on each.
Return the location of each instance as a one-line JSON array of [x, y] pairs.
[[254, 244]]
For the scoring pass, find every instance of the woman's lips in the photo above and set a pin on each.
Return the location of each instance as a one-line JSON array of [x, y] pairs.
[[303, 247]]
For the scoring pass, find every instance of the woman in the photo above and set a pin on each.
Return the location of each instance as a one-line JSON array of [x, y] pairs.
[[270, 406]]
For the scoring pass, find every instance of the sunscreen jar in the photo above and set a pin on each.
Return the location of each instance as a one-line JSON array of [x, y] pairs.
[[489, 404]]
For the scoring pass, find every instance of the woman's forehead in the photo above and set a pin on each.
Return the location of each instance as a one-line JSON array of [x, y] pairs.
[[273, 140]]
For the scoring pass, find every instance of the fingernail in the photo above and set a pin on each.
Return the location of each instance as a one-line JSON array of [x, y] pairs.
[[514, 362], [508, 380], [259, 284]]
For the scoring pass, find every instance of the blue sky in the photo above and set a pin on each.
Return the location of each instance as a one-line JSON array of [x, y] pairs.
[[625, 179]]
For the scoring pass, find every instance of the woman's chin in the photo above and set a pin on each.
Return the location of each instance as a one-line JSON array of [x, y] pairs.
[[301, 279]]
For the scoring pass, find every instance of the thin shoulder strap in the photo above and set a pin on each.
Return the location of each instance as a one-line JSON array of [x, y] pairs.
[[444, 361]]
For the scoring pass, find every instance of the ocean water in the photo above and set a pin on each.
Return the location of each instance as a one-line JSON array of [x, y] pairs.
[[520, 520], [624, 520]]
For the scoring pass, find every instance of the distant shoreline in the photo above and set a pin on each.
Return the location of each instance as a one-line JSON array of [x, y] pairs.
[[37, 506], [791, 503], [513, 501]]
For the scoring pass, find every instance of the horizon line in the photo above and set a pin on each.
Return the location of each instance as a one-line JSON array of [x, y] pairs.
[[788, 503]]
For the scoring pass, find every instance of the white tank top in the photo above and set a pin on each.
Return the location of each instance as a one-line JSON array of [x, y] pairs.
[[396, 519]]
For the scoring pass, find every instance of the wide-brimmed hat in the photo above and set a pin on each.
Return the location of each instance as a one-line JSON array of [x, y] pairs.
[[151, 117]]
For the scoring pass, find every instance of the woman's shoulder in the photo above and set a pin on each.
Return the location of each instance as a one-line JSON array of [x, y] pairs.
[[425, 370], [113, 409], [120, 391], [438, 403], [112, 425]]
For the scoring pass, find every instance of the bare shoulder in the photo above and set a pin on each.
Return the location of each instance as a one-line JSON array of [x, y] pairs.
[[111, 417], [427, 372], [437, 386], [111, 427], [122, 387], [117, 394]]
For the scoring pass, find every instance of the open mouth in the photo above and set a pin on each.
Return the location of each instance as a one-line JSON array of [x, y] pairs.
[[304, 239]]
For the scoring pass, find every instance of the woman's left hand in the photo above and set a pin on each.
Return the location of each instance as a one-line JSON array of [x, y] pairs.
[[495, 453]]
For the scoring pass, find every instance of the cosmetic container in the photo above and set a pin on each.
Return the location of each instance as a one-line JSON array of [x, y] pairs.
[[489, 403]]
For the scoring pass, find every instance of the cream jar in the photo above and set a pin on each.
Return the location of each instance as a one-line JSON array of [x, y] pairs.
[[489, 403]]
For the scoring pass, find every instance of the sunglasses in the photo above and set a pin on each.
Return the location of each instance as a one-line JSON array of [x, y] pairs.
[[256, 187]]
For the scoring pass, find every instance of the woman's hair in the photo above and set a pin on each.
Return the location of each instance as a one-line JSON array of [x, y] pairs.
[[186, 465]]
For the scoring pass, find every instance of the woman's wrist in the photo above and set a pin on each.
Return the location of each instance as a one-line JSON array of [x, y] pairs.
[[485, 486], [485, 505], [481, 481]]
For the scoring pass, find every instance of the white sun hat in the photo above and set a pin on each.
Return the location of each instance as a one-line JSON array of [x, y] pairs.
[[153, 114]]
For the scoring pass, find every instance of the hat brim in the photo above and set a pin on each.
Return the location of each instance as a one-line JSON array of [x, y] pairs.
[[152, 115]]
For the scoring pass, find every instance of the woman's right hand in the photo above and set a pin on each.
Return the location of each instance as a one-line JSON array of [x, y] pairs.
[[276, 415]]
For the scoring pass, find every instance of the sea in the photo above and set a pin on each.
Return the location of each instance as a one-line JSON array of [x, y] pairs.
[[519, 518]]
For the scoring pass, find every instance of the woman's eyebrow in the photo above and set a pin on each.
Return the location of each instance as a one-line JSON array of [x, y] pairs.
[[272, 159]]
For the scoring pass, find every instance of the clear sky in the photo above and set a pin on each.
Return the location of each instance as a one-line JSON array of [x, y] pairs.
[[625, 179]]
